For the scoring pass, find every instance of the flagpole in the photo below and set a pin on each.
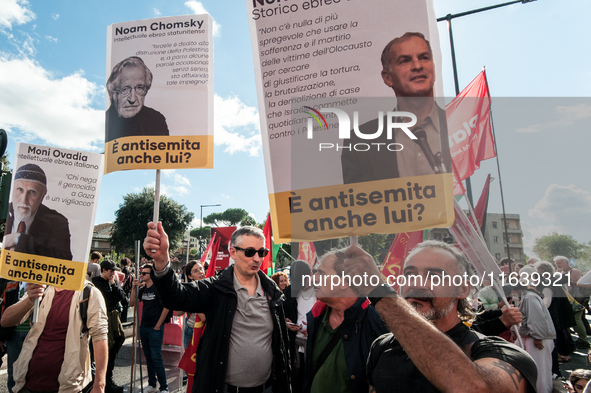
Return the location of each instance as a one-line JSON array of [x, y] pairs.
[[135, 319], [492, 124], [475, 219]]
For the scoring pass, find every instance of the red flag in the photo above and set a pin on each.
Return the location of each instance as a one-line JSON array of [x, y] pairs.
[[206, 253], [189, 359], [307, 252], [481, 206], [267, 231], [403, 243], [214, 254], [469, 128]]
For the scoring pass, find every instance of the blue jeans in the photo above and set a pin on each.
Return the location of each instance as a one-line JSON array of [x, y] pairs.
[[13, 349], [152, 345], [187, 335]]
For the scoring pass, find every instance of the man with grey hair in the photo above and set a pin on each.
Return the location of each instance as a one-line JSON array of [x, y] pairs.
[[128, 84], [245, 345], [32, 227], [340, 331], [416, 356], [563, 266], [409, 70]]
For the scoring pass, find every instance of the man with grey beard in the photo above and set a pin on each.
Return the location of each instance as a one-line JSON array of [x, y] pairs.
[[31, 227], [340, 332], [416, 356]]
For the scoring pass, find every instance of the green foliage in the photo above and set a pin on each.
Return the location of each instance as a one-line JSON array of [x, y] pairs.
[[549, 246], [137, 210], [374, 244], [283, 260], [193, 253], [230, 217], [206, 232]]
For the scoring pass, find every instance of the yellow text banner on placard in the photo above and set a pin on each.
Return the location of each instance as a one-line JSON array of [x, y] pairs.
[[61, 273], [159, 152], [382, 206]]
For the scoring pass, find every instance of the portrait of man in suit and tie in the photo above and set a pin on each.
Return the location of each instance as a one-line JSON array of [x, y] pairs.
[[32, 227], [407, 68]]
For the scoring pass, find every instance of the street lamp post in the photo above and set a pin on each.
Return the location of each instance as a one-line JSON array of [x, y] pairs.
[[448, 18], [188, 243], [201, 226]]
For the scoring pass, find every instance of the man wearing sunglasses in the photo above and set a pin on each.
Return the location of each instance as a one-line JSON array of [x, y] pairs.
[[128, 85], [245, 343]]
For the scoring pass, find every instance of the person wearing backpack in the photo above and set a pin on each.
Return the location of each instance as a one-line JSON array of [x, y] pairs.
[[55, 355]]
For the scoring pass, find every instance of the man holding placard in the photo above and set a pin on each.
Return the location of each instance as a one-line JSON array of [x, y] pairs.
[[55, 355]]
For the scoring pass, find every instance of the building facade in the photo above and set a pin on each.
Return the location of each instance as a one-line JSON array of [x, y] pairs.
[[494, 236]]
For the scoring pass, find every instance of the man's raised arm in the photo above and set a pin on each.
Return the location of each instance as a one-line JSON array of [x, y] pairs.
[[436, 356]]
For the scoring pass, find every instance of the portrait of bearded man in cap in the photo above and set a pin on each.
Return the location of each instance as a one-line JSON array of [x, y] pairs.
[[32, 227]]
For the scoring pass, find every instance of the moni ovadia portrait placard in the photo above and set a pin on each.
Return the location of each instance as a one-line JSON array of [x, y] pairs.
[[354, 134], [159, 101], [53, 202]]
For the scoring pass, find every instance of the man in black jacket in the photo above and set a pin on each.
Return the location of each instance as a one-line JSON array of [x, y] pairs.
[[245, 346], [113, 295]]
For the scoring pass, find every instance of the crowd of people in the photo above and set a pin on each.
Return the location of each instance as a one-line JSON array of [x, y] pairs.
[[291, 333]]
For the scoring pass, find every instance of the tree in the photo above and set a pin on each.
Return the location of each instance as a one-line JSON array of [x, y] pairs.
[[230, 217], [206, 230], [137, 210], [549, 246], [374, 244], [283, 260]]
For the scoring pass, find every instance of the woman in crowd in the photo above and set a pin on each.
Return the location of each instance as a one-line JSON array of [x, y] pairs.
[[281, 280], [193, 271]]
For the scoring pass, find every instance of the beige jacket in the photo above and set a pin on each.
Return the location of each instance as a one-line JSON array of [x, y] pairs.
[[75, 372]]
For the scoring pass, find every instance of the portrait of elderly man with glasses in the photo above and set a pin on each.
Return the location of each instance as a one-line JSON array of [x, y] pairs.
[[128, 85]]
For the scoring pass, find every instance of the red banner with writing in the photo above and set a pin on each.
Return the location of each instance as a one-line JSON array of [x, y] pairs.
[[469, 128]]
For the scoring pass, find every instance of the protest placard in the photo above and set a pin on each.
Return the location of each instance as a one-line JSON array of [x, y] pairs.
[[349, 149], [159, 94], [53, 201]]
